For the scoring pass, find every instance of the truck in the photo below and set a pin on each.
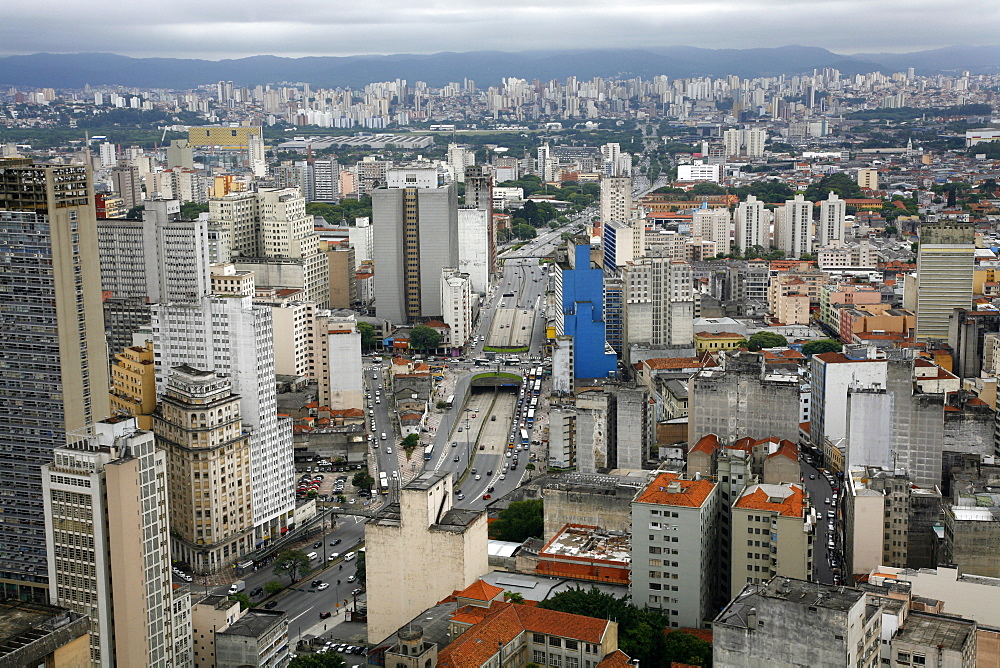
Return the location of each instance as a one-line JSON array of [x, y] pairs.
[[237, 587]]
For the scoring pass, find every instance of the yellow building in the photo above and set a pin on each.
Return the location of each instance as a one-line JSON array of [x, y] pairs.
[[133, 384], [712, 341], [224, 137]]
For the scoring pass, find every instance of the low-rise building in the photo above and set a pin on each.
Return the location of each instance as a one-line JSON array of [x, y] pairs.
[[584, 552], [258, 638], [37, 634]]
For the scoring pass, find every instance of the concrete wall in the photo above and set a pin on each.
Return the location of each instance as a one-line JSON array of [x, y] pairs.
[[606, 507]]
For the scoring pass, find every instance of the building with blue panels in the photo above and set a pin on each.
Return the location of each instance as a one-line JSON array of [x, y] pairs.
[[582, 298]]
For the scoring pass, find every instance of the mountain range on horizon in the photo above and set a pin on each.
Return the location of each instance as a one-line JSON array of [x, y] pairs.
[[484, 67]]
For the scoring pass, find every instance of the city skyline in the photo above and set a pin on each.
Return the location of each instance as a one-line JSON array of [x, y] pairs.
[[185, 29]]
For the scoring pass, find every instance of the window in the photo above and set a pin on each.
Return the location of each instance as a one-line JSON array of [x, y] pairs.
[[538, 638], [919, 660], [571, 644], [555, 641], [538, 656]]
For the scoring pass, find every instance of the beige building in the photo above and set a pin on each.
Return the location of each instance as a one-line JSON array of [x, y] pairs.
[[223, 137], [778, 524], [294, 322], [106, 509], [209, 615], [945, 268], [199, 428], [343, 277], [36, 634], [868, 179], [338, 360], [792, 309], [422, 534], [133, 384]]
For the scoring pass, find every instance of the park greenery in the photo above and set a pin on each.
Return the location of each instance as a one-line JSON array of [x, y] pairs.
[[642, 632], [242, 598], [764, 339], [821, 346], [324, 660], [343, 213], [291, 563], [272, 587], [518, 522], [362, 480], [423, 337], [368, 338]]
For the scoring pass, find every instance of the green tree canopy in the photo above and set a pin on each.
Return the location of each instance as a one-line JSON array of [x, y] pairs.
[[520, 521], [840, 183], [821, 346], [524, 231], [707, 188], [424, 338], [762, 340], [242, 598], [361, 567], [190, 210], [324, 660], [411, 441], [362, 480], [291, 563], [367, 334], [272, 587]]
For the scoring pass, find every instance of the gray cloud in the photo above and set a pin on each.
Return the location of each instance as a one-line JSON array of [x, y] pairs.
[[214, 30]]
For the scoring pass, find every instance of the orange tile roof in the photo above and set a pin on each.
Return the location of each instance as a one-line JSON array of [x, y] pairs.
[[718, 335], [700, 634], [786, 449], [790, 506], [707, 444], [692, 495], [480, 591], [674, 362], [616, 659]]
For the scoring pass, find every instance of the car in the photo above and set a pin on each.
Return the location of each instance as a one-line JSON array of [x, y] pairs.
[[460, 430], [456, 458], [490, 472], [353, 501], [812, 476], [460, 496], [318, 543], [490, 488], [334, 542], [831, 513], [493, 418], [473, 415], [454, 444], [827, 501], [352, 578], [257, 591], [350, 556], [325, 615], [356, 592], [323, 585], [389, 449], [479, 477], [486, 496], [270, 604], [503, 476]]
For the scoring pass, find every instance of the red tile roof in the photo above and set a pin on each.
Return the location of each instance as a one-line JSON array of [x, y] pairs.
[[707, 444], [480, 591], [692, 493], [616, 659], [791, 506]]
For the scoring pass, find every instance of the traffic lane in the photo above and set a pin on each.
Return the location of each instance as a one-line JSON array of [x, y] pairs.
[[819, 490], [304, 604]]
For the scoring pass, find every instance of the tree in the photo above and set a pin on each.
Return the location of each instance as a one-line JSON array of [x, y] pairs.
[[762, 340], [524, 231], [367, 334], [242, 598], [520, 521], [840, 183], [190, 210], [135, 213], [424, 338], [513, 597], [325, 660], [821, 346], [706, 188], [291, 563], [272, 587], [361, 567], [362, 480], [411, 441], [682, 647]]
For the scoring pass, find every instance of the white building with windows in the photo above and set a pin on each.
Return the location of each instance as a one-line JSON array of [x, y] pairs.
[[793, 227], [832, 217], [456, 302], [753, 225]]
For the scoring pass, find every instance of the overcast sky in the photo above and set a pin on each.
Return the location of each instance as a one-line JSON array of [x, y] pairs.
[[216, 30]]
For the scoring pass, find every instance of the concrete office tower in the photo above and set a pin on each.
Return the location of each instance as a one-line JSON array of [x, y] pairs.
[[106, 519], [416, 236], [616, 199], [54, 351], [460, 157], [659, 304], [479, 195], [343, 276], [362, 238], [579, 294], [752, 226], [436, 538], [227, 333], [127, 182], [198, 427], [945, 268], [868, 179], [255, 152], [545, 163], [675, 548], [787, 622], [793, 227], [180, 183], [773, 529], [715, 225], [832, 214], [294, 324], [623, 242], [108, 154], [456, 299], [474, 246], [326, 180], [338, 360], [179, 154]]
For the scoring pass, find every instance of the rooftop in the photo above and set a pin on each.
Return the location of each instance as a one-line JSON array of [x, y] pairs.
[[255, 623], [671, 490], [798, 592], [788, 500], [581, 540], [930, 630]]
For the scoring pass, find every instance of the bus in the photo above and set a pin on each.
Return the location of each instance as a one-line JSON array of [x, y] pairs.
[[531, 416], [524, 437], [450, 401], [536, 390], [428, 452], [383, 483]]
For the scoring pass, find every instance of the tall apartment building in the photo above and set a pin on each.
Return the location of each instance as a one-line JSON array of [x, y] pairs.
[[133, 385], [268, 232], [868, 179], [326, 180], [416, 236], [945, 267], [338, 360], [227, 333], [127, 183], [55, 355], [789, 622], [294, 324], [342, 277], [199, 428], [476, 244], [658, 302], [793, 227], [179, 183], [623, 242], [579, 296], [674, 548], [459, 158], [616, 199], [106, 519], [778, 525], [749, 143], [715, 225], [456, 300], [832, 215], [436, 537], [753, 227]]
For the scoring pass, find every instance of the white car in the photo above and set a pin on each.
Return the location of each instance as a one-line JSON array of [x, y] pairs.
[[323, 586]]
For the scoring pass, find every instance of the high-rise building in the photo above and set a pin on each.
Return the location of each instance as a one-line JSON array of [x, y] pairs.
[[456, 300], [54, 352], [326, 180], [752, 226], [416, 236], [624, 243], [868, 179], [832, 214], [460, 157], [658, 302], [127, 182], [793, 227], [199, 428], [675, 548], [229, 334], [107, 534], [133, 385], [945, 267], [715, 225], [474, 247], [338, 360], [479, 195], [616, 199]]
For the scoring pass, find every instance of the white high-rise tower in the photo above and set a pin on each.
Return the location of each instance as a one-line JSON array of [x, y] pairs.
[[832, 213]]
